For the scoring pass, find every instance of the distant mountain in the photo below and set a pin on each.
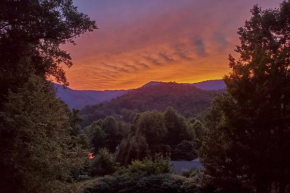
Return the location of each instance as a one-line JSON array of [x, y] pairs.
[[205, 85], [211, 85], [152, 83], [80, 98], [187, 99]]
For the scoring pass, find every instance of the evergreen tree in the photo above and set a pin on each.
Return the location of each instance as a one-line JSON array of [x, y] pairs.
[[249, 136]]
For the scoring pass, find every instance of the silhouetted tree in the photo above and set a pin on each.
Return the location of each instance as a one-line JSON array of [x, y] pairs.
[[103, 164], [75, 120], [99, 140], [198, 132], [133, 148], [38, 138], [114, 136], [151, 126], [157, 133], [31, 32], [176, 127], [184, 151], [249, 136]]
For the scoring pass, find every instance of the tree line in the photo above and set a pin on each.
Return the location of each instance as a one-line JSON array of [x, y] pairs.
[[186, 99], [150, 133]]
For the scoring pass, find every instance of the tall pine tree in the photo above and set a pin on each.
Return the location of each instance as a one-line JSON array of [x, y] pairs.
[[249, 126]]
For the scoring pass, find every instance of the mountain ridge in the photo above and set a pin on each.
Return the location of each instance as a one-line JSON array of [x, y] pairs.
[[81, 98], [187, 99]]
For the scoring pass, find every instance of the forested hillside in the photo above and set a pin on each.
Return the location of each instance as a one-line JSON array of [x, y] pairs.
[[78, 99], [186, 99]]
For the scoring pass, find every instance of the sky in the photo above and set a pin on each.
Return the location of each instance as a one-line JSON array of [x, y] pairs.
[[139, 41]]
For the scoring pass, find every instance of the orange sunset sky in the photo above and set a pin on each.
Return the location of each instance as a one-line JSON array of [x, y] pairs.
[[156, 40]]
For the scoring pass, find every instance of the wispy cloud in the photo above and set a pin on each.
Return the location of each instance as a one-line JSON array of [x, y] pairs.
[[153, 61], [164, 40], [165, 57], [200, 47]]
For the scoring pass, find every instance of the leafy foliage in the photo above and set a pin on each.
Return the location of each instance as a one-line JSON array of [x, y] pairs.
[[111, 128], [98, 140], [149, 175], [39, 136], [154, 133], [248, 142], [184, 151], [186, 99], [176, 127], [133, 148], [131, 183], [104, 163], [155, 166], [198, 130], [105, 134], [37, 147], [151, 126], [31, 32]]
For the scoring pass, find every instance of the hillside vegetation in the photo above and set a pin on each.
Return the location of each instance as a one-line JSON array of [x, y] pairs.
[[188, 100], [78, 99]]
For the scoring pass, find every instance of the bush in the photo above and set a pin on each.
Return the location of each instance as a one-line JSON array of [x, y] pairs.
[[184, 151], [149, 175], [132, 183], [104, 163], [190, 173], [135, 183], [158, 165]]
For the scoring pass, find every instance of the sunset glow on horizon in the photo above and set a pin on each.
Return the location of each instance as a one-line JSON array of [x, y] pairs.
[[139, 41]]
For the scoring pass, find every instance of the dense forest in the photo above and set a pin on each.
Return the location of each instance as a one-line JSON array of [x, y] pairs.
[[240, 135], [150, 133], [185, 98]]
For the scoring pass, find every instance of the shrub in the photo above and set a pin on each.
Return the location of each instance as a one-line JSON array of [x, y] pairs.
[[104, 163], [190, 173], [149, 175], [158, 165], [184, 151], [132, 183]]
